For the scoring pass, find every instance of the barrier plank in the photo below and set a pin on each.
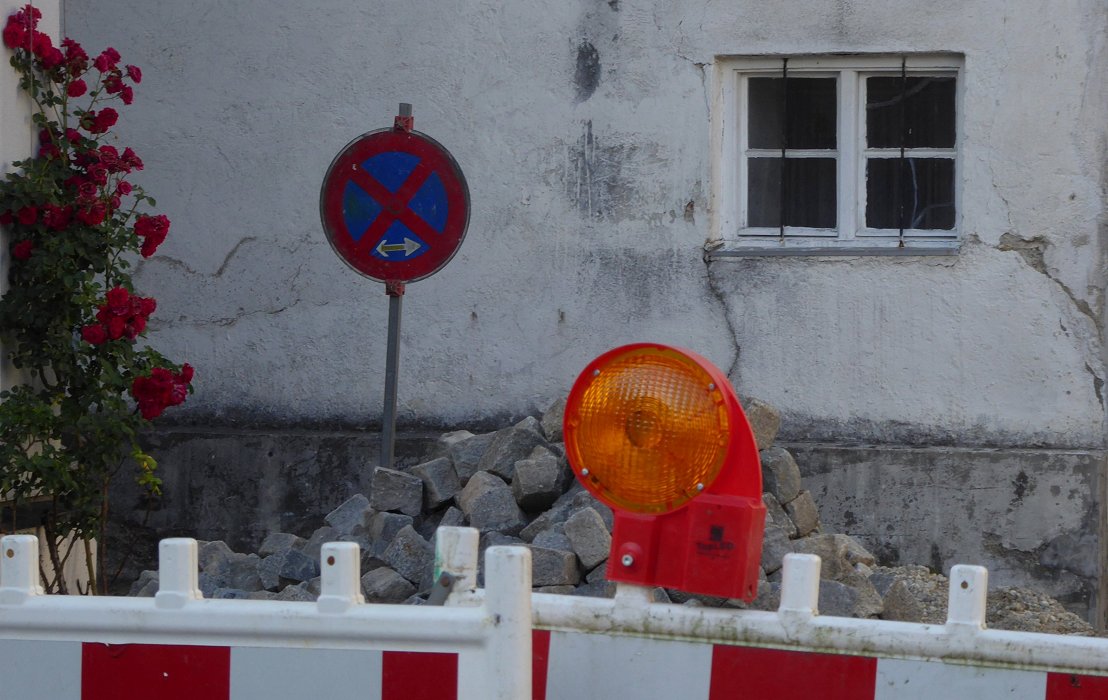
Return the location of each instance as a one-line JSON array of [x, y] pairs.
[[142, 671], [751, 672]]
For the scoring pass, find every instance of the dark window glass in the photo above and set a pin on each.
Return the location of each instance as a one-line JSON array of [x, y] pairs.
[[928, 112], [926, 192], [811, 112], [810, 193]]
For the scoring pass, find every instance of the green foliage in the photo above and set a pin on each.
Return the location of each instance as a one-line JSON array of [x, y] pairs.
[[69, 319]]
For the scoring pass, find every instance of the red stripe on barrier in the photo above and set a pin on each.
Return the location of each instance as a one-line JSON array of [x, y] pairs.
[[750, 672], [143, 671], [540, 661], [1067, 686], [417, 676]]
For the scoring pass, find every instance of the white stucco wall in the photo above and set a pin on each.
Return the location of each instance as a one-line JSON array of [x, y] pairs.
[[590, 210]]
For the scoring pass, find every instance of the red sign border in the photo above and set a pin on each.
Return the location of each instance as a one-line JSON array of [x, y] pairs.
[[433, 155]]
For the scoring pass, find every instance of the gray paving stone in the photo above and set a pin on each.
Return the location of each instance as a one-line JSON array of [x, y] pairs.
[[410, 555], [780, 475], [277, 541], [395, 490], [440, 481], [350, 516], [538, 480], [466, 454], [511, 445], [764, 419], [385, 585], [804, 514], [588, 536], [488, 504]]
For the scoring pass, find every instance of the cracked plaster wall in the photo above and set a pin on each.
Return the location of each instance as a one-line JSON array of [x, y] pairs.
[[583, 129]]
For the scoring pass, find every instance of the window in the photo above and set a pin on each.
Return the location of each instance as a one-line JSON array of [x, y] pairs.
[[834, 154]]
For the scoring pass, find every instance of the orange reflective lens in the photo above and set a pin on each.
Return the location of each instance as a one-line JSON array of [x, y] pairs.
[[646, 429]]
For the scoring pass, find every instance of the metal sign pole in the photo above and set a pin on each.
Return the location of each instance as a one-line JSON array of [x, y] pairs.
[[395, 290]]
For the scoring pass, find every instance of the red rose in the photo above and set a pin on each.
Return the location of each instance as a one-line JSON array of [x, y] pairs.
[[52, 57], [119, 299], [73, 136], [128, 156], [22, 250], [94, 334], [134, 73], [76, 60], [186, 373], [107, 60], [98, 174], [99, 122], [87, 190], [116, 326], [113, 83], [56, 218], [48, 150], [76, 88], [153, 230], [15, 34], [123, 188], [27, 215], [127, 94], [93, 215], [136, 326], [147, 226], [147, 306], [41, 43], [109, 158]]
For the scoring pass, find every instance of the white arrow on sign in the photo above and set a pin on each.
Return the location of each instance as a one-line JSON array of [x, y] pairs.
[[408, 246]]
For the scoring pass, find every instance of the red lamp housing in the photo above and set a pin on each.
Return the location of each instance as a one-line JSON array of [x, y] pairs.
[[658, 434]]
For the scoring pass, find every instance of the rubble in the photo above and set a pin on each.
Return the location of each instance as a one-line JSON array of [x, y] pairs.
[[514, 485]]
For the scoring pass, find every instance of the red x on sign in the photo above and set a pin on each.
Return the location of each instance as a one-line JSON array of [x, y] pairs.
[[395, 205]]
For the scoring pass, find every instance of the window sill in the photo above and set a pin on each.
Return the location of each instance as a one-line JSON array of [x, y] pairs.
[[759, 248]]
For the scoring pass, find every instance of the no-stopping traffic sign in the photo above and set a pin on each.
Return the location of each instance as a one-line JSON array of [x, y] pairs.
[[395, 205]]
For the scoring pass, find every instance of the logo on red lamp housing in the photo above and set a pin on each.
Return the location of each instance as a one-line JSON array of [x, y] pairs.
[[657, 433]]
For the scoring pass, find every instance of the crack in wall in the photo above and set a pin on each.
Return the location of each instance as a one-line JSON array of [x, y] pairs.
[[1033, 252], [715, 291]]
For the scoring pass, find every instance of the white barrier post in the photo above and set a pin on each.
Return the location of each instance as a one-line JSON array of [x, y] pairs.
[[340, 585], [19, 575], [969, 586], [456, 552], [178, 573], [799, 587], [504, 670]]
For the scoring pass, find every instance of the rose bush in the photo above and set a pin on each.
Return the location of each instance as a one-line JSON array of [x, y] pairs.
[[70, 319]]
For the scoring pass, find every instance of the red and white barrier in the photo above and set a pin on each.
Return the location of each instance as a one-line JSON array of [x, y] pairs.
[[186, 646], [181, 646]]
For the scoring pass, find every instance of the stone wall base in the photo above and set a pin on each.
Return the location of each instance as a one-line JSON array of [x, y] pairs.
[[1032, 516]]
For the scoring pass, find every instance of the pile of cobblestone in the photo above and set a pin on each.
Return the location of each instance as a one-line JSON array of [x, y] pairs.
[[515, 486]]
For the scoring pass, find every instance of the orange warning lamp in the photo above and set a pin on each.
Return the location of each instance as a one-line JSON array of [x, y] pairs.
[[657, 433]]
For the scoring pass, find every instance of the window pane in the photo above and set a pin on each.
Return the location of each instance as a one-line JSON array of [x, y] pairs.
[[928, 105], [811, 112], [926, 187], [810, 192]]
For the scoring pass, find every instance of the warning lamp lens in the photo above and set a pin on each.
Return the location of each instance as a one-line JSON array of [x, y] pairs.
[[646, 428]]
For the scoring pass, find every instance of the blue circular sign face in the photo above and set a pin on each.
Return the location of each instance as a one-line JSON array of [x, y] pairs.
[[395, 205]]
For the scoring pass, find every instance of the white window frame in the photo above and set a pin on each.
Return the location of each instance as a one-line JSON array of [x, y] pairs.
[[730, 236]]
